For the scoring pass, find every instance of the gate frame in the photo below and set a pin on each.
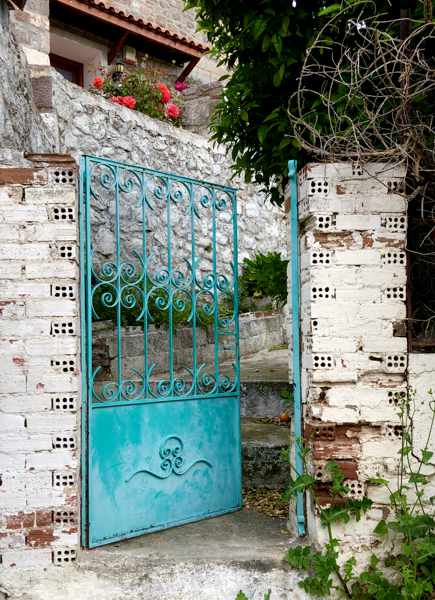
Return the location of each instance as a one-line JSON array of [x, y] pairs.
[[86, 340]]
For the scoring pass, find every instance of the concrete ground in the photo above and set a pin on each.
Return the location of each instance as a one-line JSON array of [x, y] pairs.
[[208, 560]]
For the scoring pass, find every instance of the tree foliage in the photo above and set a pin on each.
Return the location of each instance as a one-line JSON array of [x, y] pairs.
[[263, 44]]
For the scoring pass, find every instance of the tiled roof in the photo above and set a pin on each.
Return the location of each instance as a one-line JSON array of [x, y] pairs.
[[146, 25]]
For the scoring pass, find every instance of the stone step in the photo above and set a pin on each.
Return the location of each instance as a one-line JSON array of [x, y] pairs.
[[262, 398], [262, 446], [210, 560]]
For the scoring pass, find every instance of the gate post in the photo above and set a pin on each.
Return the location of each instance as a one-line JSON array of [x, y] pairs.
[[353, 277], [39, 343]]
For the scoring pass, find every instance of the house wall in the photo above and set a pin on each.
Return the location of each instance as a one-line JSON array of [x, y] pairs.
[[32, 27], [355, 365], [40, 364]]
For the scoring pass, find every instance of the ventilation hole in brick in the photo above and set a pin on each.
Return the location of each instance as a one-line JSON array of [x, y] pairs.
[[64, 517], [394, 257], [394, 432], [319, 186], [323, 361], [62, 213], [396, 361], [321, 293], [394, 223], [64, 403], [66, 251], [62, 328], [67, 442], [314, 324], [319, 472], [325, 222], [395, 293], [395, 187], [357, 169], [320, 257], [396, 397], [66, 555], [63, 291], [63, 479], [355, 489], [325, 432], [65, 365], [63, 176]]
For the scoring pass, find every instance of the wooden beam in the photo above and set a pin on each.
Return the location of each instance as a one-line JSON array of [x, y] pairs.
[[143, 32], [188, 69], [117, 47]]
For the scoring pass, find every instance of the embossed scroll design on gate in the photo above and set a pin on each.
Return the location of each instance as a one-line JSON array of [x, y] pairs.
[[165, 271]]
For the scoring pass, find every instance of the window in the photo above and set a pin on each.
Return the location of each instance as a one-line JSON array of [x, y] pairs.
[[70, 69]]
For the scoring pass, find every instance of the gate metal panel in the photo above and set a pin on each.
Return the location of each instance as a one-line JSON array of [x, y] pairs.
[[161, 425]]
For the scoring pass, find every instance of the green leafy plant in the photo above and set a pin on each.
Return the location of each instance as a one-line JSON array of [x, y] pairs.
[[264, 276], [263, 45], [404, 563], [242, 596]]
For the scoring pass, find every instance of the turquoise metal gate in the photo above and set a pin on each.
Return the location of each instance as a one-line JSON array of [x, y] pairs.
[[161, 423]]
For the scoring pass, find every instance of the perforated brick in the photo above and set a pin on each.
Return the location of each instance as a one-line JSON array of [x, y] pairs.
[[64, 556], [394, 257], [65, 517], [325, 222], [323, 361], [320, 257], [394, 293], [63, 291], [394, 432], [318, 186], [61, 176], [396, 397], [62, 213], [64, 403], [63, 479], [394, 223], [322, 293], [64, 442], [63, 328], [355, 489], [396, 362], [65, 365]]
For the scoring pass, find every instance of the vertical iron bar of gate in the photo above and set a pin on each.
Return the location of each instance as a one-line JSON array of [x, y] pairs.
[[193, 286], [84, 402], [295, 283]]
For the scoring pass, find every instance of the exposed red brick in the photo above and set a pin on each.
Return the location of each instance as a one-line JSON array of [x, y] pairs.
[[18, 360], [392, 243], [40, 538], [340, 189], [43, 518], [20, 520], [53, 159], [29, 520], [334, 240], [40, 387], [336, 449], [23, 176], [367, 239]]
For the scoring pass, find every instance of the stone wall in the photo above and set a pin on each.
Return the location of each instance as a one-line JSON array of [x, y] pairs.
[[354, 359], [21, 127], [88, 124], [39, 345]]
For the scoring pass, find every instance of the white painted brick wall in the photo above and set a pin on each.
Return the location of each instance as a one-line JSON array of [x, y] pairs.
[[38, 401], [353, 290]]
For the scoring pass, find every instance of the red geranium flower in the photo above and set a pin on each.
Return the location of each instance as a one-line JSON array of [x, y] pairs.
[[98, 83], [129, 101], [116, 99], [173, 111], [166, 94]]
